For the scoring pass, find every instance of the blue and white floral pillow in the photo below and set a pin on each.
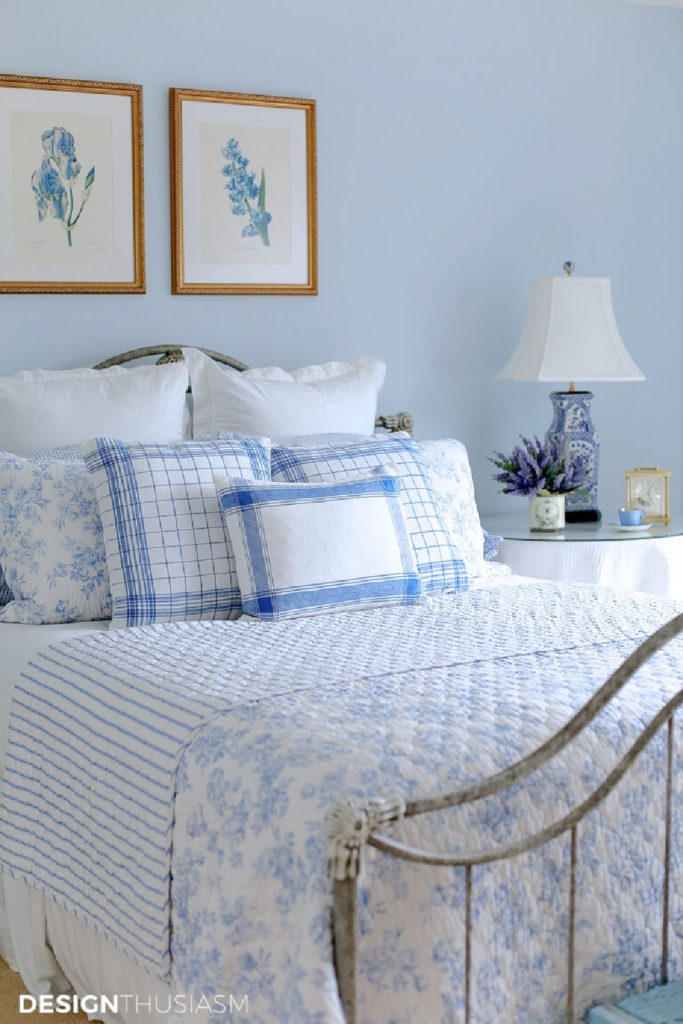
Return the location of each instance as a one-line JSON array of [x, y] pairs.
[[51, 548]]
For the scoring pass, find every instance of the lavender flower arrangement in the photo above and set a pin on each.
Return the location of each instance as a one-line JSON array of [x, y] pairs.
[[541, 467]]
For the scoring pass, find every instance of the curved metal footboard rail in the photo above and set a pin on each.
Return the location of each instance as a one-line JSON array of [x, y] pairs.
[[352, 825]]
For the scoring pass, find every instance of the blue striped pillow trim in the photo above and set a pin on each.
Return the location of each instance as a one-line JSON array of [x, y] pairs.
[[243, 503]]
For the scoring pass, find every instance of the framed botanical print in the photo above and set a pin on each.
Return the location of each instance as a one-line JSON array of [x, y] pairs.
[[647, 488], [243, 194], [71, 186]]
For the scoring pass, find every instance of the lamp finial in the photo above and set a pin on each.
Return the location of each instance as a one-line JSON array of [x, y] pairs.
[[568, 268]]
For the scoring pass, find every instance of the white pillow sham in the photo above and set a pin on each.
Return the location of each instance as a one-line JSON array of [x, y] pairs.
[[328, 398], [303, 549], [44, 408]]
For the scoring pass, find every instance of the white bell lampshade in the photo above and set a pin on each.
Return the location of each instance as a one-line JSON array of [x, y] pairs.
[[570, 334]]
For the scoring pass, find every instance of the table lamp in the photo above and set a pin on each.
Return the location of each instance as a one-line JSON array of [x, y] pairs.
[[570, 333]]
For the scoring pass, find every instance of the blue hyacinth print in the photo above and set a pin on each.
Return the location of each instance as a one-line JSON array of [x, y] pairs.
[[243, 192], [54, 182]]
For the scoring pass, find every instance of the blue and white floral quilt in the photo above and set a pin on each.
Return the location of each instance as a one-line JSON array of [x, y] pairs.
[[168, 785]]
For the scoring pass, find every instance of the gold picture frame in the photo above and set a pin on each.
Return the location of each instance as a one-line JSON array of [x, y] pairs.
[[243, 194], [71, 186], [647, 488]]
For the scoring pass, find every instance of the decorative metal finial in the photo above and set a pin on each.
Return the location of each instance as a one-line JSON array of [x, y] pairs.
[[568, 268]]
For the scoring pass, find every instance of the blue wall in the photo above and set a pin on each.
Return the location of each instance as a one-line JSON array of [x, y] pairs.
[[464, 146]]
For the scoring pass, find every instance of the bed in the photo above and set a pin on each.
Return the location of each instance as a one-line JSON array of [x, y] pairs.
[[168, 789]]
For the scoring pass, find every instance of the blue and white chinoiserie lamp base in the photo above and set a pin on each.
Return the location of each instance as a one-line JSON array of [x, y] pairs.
[[570, 334], [572, 420]]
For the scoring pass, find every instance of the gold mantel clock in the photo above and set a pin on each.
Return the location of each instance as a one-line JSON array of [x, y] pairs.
[[647, 488]]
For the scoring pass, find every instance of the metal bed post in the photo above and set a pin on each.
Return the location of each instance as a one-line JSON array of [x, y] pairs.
[[353, 825]]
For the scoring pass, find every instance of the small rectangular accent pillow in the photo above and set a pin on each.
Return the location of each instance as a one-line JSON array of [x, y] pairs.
[[44, 408], [167, 547], [51, 547], [329, 398], [302, 549], [439, 563]]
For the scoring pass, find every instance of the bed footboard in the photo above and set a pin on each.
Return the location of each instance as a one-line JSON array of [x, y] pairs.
[[352, 826]]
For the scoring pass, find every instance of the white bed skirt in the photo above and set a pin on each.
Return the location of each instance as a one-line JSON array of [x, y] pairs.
[[56, 953]]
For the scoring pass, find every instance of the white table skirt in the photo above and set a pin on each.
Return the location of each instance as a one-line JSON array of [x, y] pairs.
[[653, 565]]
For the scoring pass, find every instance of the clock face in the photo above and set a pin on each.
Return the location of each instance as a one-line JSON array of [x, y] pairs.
[[647, 495]]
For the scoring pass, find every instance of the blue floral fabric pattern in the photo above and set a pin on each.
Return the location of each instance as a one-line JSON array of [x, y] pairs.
[[51, 548], [69, 452], [256, 728]]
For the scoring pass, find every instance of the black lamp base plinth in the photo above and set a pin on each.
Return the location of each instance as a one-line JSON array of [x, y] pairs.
[[582, 515]]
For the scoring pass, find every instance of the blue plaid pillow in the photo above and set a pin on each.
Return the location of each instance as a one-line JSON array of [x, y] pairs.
[[438, 563], [168, 553], [302, 549]]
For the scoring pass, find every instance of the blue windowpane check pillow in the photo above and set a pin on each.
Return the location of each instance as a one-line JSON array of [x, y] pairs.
[[439, 564], [168, 552], [302, 549], [51, 547]]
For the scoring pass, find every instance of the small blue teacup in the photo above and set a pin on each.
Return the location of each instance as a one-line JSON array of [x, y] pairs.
[[631, 516]]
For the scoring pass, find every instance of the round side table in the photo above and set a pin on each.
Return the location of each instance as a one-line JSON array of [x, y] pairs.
[[650, 560]]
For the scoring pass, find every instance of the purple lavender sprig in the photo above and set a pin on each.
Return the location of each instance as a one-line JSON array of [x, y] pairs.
[[541, 466]]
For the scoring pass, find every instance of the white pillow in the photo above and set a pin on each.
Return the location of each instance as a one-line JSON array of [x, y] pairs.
[[302, 549], [44, 408], [329, 398]]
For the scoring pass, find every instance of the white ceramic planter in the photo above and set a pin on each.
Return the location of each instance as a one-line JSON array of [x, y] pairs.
[[546, 512]]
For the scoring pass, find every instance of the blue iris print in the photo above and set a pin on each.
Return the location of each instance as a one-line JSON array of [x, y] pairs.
[[53, 184], [244, 192]]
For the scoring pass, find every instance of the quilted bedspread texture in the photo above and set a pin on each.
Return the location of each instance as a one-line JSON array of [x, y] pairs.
[[218, 747]]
